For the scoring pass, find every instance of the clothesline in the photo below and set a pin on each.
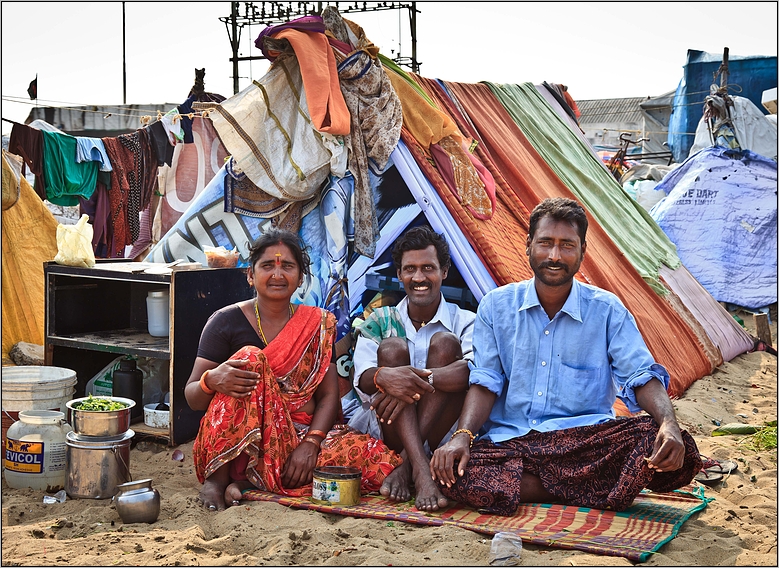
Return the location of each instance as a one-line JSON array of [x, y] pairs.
[[143, 118]]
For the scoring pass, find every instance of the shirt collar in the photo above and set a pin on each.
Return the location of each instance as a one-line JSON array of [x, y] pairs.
[[442, 315], [572, 306]]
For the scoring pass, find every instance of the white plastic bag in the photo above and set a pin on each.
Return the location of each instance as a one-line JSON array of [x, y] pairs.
[[74, 244]]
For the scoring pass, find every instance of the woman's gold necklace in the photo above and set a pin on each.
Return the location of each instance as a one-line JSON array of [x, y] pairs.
[[259, 322]]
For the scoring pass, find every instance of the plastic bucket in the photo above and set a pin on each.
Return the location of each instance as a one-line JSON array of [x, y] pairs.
[[33, 387]]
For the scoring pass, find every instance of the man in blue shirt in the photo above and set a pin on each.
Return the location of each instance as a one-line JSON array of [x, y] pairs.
[[551, 356]]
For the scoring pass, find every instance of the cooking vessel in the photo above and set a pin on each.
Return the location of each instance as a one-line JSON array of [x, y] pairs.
[[101, 423]]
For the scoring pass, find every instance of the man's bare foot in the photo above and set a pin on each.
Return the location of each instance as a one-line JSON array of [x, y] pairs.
[[212, 494], [396, 485], [234, 491], [429, 497]]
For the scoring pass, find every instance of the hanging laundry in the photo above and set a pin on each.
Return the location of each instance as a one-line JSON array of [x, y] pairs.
[[66, 179], [162, 147], [133, 180], [27, 142], [98, 209], [171, 120], [376, 117], [92, 150]]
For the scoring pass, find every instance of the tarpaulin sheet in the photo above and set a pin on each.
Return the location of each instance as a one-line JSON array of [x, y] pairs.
[[750, 75], [530, 179], [721, 213], [29, 239], [625, 221]]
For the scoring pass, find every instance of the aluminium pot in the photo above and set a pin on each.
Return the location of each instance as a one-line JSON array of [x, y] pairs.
[[137, 502], [96, 466], [101, 423]]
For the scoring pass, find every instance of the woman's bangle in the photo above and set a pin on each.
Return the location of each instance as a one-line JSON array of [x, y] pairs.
[[203, 384], [313, 441], [376, 374], [317, 433], [465, 431]]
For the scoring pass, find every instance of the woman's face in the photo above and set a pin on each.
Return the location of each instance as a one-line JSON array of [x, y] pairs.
[[276, 274]]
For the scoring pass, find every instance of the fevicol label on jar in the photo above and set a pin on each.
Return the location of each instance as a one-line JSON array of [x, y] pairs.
[[23, 457]]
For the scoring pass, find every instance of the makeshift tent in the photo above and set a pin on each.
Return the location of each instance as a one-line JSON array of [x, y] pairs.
[[752, 74], [734, 191], [521, 151]]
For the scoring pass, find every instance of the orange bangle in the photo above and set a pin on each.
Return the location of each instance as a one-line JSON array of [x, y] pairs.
[[378, 388], [203, 384], [317, 433], [312, 440]]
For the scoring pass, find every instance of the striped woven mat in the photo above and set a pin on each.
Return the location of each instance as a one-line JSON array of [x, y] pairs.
[[652, 520]]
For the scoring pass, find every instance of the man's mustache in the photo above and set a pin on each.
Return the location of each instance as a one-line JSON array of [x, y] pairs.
[[553, 265]]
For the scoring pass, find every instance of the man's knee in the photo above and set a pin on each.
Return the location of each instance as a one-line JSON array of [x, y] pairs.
[[444, 349], [392, 352]]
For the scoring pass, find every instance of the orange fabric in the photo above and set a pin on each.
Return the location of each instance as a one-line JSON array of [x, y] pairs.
[[259, 432], [525, 180], [426, 124], [326, 103]]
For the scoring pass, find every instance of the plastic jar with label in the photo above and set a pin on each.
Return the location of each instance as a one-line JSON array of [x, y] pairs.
[[36, 451]]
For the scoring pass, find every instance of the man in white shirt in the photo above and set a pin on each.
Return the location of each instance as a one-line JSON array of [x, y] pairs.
[[411, 366]]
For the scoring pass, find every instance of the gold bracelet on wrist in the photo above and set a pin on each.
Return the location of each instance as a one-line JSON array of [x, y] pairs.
[[465, 431]]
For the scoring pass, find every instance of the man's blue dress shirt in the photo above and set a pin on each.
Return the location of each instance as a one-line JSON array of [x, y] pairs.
[[562, 373]]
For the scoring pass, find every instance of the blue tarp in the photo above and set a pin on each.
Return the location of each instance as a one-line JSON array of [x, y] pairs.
[[748, 76], [720, 212]]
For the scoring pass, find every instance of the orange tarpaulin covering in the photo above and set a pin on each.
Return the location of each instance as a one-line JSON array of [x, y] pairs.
[[524, 179], [29, 240]]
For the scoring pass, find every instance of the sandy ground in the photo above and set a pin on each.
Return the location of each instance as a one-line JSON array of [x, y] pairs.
[[738, 528]]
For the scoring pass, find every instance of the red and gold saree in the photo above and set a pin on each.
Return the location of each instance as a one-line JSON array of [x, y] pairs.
[[262, 430]]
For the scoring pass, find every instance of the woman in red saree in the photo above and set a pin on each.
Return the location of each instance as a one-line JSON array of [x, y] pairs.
[[265, 378]]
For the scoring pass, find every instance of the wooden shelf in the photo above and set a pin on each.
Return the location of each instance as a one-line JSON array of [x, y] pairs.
[[120, 341], [95, 314]]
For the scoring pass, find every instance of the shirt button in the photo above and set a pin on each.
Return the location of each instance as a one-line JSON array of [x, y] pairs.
[[546, 332], [543, 363], [540, 393], [534, 421]]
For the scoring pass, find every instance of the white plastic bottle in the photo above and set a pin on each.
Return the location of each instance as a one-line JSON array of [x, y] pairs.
[[157, 311], [36, 450]]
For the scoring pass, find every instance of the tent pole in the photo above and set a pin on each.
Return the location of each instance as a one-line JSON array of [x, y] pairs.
[[124, 60], [234, 43]]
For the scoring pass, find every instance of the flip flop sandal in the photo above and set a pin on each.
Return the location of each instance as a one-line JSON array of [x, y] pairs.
[[718, 466], [707, 478], [724, 467]]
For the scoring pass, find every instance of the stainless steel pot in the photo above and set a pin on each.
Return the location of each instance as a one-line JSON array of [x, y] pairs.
[[102, 424], [137, 502], [96, 467]]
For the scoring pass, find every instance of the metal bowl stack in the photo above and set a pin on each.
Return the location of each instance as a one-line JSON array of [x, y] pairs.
[[98, 449]]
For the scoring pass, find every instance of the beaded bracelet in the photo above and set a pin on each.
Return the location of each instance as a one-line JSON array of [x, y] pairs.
[[203, 384], [378, 388], [465, 431]]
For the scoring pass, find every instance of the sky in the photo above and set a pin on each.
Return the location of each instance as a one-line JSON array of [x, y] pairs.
[[598, 49]]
